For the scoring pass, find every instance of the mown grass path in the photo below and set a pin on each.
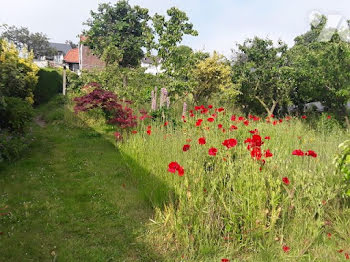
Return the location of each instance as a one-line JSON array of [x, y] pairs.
[[70, 199]]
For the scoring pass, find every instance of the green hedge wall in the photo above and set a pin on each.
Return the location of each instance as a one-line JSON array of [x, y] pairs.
[[49, 84]]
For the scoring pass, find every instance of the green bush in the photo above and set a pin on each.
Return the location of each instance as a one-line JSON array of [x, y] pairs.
[[17, 74], [16, 114], [49, 85], [12, 145], [342, 162]]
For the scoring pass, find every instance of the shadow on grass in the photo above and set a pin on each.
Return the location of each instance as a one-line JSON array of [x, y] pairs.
[[75, 197]]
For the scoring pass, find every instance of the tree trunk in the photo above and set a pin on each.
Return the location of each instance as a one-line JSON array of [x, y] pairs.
[[268, 110], [347, 122], [125, 80]]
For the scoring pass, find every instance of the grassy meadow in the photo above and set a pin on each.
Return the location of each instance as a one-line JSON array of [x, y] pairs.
[[81, 195]]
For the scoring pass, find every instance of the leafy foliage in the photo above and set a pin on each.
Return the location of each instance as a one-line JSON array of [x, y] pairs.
[[117, 33], [169, 33], [49, 85], [342, 162], [111, 78], [211, 75], [38, 43], [17, 75], [261, 73], [12, 145], [115, 112], [320, 73], [16, 115]]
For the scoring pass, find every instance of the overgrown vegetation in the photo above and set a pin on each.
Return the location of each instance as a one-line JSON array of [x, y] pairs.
[[17, 83], [49, 85]]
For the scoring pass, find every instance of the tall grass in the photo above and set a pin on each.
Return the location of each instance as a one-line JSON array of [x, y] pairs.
[[232, 206], [229, 204]]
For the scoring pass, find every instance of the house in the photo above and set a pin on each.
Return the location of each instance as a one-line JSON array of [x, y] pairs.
[[62, 50], [57, 59], [152, 65], [88, 61], [71, 59]]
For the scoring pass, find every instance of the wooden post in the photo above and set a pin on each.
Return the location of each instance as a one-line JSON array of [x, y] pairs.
[[64, 81]]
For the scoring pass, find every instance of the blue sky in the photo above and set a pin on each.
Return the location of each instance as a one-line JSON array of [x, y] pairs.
[[220, 23]]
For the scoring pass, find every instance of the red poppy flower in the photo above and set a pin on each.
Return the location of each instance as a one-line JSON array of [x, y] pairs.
[[233, 118], [347, 256], [180, 171], [311, 153], [241, 118], [199, 122], [298, 152], [256, 140], [272, 115], [255, 131], [186, 147], [210, 119], [210, 106], [204, 110], [329, 235], [340, 251], [202, 141], [286, 248], [188, 140], [256, 153], [219, 126], [329, 117], [246, 123], [285, 180], [274, 122], [288, 118], [166, 123], [233, 127], [149, 131], [191, 115], [268, 153], [280, 120], [225, 260], [174, 166], [229, 143], [212, 151], [134, 131], [267, 138], [220, 109], [303, 117]]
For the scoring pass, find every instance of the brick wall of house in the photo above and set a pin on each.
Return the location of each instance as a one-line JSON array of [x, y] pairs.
[[88, 60]]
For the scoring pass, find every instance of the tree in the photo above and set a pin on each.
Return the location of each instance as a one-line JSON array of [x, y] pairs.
[[18, 76], [118, 33], [261, 73], [180, 65], [321, 73], [72, 45], [169, 34], [321, 69], [38, 43], [211, 76]]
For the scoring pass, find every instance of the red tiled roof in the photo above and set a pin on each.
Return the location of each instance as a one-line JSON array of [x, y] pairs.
[[72, 56]]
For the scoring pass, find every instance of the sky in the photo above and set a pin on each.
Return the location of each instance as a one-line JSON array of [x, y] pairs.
[[221, 23]]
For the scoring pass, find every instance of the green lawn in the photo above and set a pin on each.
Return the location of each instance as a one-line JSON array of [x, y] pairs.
[[65, 204]]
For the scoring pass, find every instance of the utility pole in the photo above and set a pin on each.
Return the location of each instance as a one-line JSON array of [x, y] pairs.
[[64, 81]]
